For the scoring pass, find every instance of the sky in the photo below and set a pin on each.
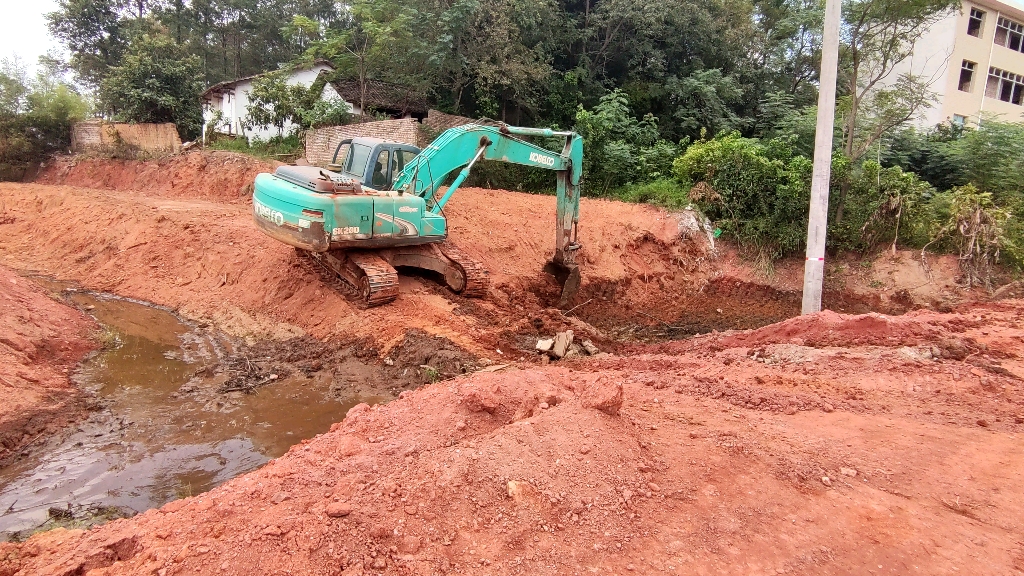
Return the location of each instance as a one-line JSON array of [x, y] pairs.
[[23, 29]]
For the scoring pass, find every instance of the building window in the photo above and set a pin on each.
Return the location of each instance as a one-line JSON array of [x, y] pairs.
[[967, 76], [974, 23], [1005, 86], [1010, 34], [959, 120]]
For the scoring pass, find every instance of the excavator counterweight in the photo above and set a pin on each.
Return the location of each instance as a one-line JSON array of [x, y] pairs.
[[382, 206]]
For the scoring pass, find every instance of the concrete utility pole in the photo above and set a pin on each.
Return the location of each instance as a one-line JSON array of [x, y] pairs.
[[814, 269]]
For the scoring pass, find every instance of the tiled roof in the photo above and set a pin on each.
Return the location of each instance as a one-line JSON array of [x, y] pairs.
[[383, 96]]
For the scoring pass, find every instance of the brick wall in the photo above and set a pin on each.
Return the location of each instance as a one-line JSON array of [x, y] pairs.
[[100, 136], [321, 142], [437, 122]]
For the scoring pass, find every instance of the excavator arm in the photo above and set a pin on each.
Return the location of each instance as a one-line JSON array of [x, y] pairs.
[[458, 149]]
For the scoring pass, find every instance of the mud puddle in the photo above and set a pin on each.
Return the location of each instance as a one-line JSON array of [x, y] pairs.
[[170, 426]]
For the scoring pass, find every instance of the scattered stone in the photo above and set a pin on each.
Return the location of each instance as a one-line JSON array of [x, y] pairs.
[[562, 342], [460, 425], [828, 408], [545, 345], [654, 487], [604, 396], [826, 481], [493, 368], [543, 405], [339, 509], [272, 531], [274, 376], [983, 423], [409, 545], [848, 472], [279, 497], [410, 510], [590, 348], [389, 362], [584, 449], [480, 399]]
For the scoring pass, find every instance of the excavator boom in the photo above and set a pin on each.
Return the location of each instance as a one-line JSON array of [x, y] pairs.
[[461, 147]]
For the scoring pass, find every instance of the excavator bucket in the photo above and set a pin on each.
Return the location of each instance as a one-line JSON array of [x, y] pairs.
[[568, 276]]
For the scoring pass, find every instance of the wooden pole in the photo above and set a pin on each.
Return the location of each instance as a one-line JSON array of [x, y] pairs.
[[814, 269]]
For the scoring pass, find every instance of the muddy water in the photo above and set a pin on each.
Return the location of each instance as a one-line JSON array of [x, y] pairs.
[[165, 430]]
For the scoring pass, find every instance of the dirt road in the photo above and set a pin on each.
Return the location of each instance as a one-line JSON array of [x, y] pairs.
[[833, 444]]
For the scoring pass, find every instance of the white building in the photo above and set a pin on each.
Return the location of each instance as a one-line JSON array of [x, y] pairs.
[[975, 61], [231, 99]]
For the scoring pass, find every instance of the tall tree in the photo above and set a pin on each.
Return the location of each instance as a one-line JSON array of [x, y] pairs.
[[157, 81]]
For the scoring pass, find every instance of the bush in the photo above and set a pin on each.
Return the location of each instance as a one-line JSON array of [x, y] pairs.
[[757, 192], [881, 208], [664, 192], [274, 148]]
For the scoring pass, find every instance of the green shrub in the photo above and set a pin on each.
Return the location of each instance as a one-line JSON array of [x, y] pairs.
[[664, 192], [757, 192]]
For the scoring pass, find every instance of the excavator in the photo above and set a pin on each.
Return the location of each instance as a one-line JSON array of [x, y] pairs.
[[382, 207]]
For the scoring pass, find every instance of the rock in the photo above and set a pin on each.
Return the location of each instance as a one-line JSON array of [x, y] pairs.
[[479, 399], [543, 405], [654, 487], [828, 408], [389, 362], [604, 396], [493, 368], [562, 342], [983, 423], [545, 345], [279, 497], [380, 563], [826, 481], [339, 509], [848, 472], [584, 449], [409, 545], [460, 425], [590, 348], [410, 510], [272, 531]]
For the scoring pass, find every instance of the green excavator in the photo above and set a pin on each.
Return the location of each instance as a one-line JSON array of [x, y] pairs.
[[382, 207]]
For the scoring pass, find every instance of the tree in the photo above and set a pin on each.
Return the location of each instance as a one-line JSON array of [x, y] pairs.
[[156, 81], [879, 36], [375, 41], [95, 33]]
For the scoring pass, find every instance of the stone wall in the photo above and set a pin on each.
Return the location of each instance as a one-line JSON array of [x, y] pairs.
[[100, 136]]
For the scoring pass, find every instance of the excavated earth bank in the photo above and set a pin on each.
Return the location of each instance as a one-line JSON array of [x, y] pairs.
[[40, 341], [832, 444]]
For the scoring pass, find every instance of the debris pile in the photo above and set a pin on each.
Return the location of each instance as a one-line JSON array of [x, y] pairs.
[[562, 345]]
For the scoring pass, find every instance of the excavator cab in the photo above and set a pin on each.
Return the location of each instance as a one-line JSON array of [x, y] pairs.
[[372, 162]]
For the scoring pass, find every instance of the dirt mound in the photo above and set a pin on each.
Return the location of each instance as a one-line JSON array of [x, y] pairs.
[[806, 461], [40, 341], [213, 175]]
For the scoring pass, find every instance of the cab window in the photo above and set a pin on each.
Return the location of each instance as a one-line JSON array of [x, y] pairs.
[[356, 163], [380, 170]]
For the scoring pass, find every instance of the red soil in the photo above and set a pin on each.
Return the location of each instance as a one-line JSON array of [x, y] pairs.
[[832, 444], [867, 458], [40, 341]]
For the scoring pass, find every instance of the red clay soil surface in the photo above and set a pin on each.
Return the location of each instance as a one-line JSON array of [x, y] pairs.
[[832, 444], [40, 341], [825, 445]]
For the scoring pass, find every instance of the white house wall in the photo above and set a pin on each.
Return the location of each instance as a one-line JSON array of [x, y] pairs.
[[234, 105]]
